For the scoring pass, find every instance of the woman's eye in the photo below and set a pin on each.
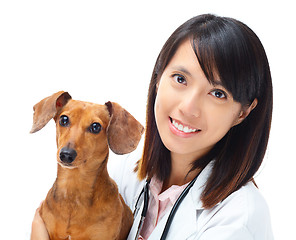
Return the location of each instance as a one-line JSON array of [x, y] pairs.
[[64, 121], [179, 79], [219, 94], [95, 128]]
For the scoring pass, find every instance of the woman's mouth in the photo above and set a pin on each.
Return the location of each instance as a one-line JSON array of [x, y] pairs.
[[180, 128]]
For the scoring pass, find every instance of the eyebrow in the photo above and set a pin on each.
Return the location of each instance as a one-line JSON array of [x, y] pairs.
[[215, 82], [182, 69]]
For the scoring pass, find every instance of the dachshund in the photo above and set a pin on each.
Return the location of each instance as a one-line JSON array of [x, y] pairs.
[[84, 202]]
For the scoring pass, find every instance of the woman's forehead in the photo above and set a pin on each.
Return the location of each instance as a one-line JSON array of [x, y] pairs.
[[187, 61]]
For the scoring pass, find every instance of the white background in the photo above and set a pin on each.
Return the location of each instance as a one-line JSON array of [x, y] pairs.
[[106, 50]]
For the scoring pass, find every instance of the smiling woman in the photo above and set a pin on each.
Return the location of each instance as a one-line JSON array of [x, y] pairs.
[[208, 121], [209, 113], [190, 101]]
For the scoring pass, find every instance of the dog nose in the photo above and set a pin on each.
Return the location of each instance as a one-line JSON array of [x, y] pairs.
[[67, 155]]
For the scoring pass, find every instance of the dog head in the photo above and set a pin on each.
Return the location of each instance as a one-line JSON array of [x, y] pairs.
[[85, 130]]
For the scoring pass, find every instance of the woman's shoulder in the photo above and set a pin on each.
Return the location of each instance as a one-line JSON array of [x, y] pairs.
[[244, 210], [250, 203]]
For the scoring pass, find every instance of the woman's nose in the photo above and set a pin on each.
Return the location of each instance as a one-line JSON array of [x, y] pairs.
[[191, 105]]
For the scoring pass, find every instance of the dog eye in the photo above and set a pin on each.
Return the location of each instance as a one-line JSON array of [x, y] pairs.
[[95, 128], [64, 121]]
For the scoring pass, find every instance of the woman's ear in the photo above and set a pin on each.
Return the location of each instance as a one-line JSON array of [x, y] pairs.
[[244, 113], [156, 88]]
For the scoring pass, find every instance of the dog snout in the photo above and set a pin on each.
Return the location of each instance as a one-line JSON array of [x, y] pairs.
[[67, 155]]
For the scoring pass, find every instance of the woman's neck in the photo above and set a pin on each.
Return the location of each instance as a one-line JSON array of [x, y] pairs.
[[180, 171]]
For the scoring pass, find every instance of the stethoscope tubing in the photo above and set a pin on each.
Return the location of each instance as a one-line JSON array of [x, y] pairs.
[[145, 191], [175, 208]]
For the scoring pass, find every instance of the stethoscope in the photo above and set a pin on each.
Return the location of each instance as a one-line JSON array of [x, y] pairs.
[[145, 192]]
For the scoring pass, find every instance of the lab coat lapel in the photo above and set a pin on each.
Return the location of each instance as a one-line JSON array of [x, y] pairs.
[[183, 225], [199, 186], [185, 222], [135, 225], [137, 217]]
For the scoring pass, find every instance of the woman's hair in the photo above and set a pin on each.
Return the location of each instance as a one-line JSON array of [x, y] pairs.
[[226, 48]]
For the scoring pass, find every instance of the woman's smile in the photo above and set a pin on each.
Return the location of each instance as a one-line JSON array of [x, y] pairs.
[[192, 114], [181, 129]]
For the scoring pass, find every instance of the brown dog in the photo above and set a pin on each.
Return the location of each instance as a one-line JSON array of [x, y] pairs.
[[84, 202]]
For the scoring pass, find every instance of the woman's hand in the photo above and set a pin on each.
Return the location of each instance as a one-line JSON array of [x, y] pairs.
[[39, 231]]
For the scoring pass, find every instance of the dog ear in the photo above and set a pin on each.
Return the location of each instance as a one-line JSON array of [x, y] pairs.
[[124, 131], [47, 109]]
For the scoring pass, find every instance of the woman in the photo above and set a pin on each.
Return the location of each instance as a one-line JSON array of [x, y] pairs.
[[208, 122]]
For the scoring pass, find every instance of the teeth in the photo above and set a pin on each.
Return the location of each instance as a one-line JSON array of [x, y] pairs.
[[185, 129]]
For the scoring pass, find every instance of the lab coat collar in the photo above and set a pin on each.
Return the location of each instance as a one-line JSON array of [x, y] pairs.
[[199, 186], [192, 201], [196, 190]]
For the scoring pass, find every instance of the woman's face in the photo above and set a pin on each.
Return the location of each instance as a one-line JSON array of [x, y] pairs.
[[191, 114]]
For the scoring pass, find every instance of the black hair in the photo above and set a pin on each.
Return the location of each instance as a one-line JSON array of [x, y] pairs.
[[228, 49]]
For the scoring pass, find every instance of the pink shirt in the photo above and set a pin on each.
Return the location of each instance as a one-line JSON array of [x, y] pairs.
[[159, 205]]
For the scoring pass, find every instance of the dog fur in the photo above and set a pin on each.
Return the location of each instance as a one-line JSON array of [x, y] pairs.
[[84, 202]]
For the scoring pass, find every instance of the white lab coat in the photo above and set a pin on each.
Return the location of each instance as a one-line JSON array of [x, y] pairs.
[[243, 215]]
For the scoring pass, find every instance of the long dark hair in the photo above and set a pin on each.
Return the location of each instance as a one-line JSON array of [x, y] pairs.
[[230, 49]]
